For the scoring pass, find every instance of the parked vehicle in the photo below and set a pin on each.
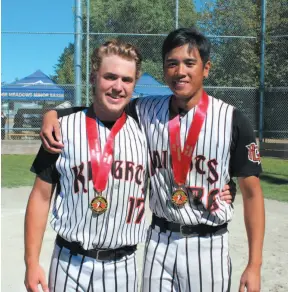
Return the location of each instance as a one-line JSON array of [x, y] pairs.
[[26, 119]]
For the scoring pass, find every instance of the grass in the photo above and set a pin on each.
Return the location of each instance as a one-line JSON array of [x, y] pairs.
[[274, 179], [15, 170]]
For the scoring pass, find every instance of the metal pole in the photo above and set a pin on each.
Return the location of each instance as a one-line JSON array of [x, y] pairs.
[[87, 50], [8, 120], [78, 51], [262, 69], [176, 14]]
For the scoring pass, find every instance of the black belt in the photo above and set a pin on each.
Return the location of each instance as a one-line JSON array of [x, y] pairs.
[[98, 254], [201, 230]]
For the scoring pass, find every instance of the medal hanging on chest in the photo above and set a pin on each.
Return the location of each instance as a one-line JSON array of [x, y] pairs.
[[179, 197], [99, 204], [181, 160], [101, 163]]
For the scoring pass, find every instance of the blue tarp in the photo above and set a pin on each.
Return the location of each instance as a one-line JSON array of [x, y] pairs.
[[36, 86], [147, 85]]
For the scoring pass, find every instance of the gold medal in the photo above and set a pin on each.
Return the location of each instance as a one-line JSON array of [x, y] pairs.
[[99, 205], [101, 163], [182, 156], [179, 198]]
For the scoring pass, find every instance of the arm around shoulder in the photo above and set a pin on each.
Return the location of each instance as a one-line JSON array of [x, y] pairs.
[[50, 130]]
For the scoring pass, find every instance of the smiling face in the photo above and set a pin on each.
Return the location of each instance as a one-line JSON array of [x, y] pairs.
[[114, 82], [184, 72], [115, 67]]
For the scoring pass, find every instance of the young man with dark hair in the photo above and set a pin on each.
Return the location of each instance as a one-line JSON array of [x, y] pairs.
[[197, 143]]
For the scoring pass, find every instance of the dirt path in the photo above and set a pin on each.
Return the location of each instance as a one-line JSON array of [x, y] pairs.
[[275, 256], [274, 276]]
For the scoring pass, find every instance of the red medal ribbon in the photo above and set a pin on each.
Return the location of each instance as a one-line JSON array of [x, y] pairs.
[[101, 164], [181, 159]]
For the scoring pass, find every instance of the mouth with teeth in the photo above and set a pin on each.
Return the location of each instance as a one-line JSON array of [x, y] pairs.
[[179, 84], [114, 97]]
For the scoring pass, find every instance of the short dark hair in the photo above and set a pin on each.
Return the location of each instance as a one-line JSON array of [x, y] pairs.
[[190, 36]]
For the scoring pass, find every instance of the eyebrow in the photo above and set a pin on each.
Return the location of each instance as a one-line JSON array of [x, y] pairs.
[[110, 74], [176, 60], [117, 76], [128, 78]]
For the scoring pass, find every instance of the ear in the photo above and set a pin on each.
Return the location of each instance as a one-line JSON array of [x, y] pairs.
[[138, 75], [92, 78], [206, 70]]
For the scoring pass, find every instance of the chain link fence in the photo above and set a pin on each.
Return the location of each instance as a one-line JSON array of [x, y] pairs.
[[232, 26]]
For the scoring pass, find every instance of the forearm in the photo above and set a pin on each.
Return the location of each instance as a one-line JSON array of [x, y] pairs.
[[255, 225], [57, 113], [35, 224], [50, 133], [254, 215]]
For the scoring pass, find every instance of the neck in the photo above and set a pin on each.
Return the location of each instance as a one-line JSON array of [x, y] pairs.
[[104, 115], [186, 104]]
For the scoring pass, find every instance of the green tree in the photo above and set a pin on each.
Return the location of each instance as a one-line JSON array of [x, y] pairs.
[[64, 69], [234, 56], [119, 18], [236, 60], [276, 58]]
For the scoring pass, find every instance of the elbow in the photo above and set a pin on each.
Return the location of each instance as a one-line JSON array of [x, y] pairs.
[[42, 190], [250, 188]]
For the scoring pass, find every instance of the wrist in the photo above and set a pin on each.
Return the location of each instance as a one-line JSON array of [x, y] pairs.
[[31, 262], [255, 265], [51, 113]]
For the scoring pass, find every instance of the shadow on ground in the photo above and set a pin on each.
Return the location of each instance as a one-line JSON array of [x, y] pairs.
[[274, 180]]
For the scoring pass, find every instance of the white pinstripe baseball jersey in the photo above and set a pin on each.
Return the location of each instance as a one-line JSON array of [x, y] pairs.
[[124, 221], [209, 170]]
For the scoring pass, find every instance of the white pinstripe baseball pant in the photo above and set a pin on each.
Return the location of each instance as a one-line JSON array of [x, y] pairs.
[[80, 273], [176, 263]]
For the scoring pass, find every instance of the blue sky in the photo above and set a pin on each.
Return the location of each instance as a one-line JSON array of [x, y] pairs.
[[23, 54]]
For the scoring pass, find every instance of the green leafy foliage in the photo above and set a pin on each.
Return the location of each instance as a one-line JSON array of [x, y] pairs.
[[116, 19], [235, 59], [276, 63]]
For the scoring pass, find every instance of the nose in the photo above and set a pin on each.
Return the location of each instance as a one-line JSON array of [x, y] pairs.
[[117, 86], [181, 70]]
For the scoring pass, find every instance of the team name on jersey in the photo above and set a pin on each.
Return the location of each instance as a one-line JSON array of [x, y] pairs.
[[160, 160], [121, 170]]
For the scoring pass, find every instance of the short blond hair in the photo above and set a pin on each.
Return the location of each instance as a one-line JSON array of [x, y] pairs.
[[116, 47]]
